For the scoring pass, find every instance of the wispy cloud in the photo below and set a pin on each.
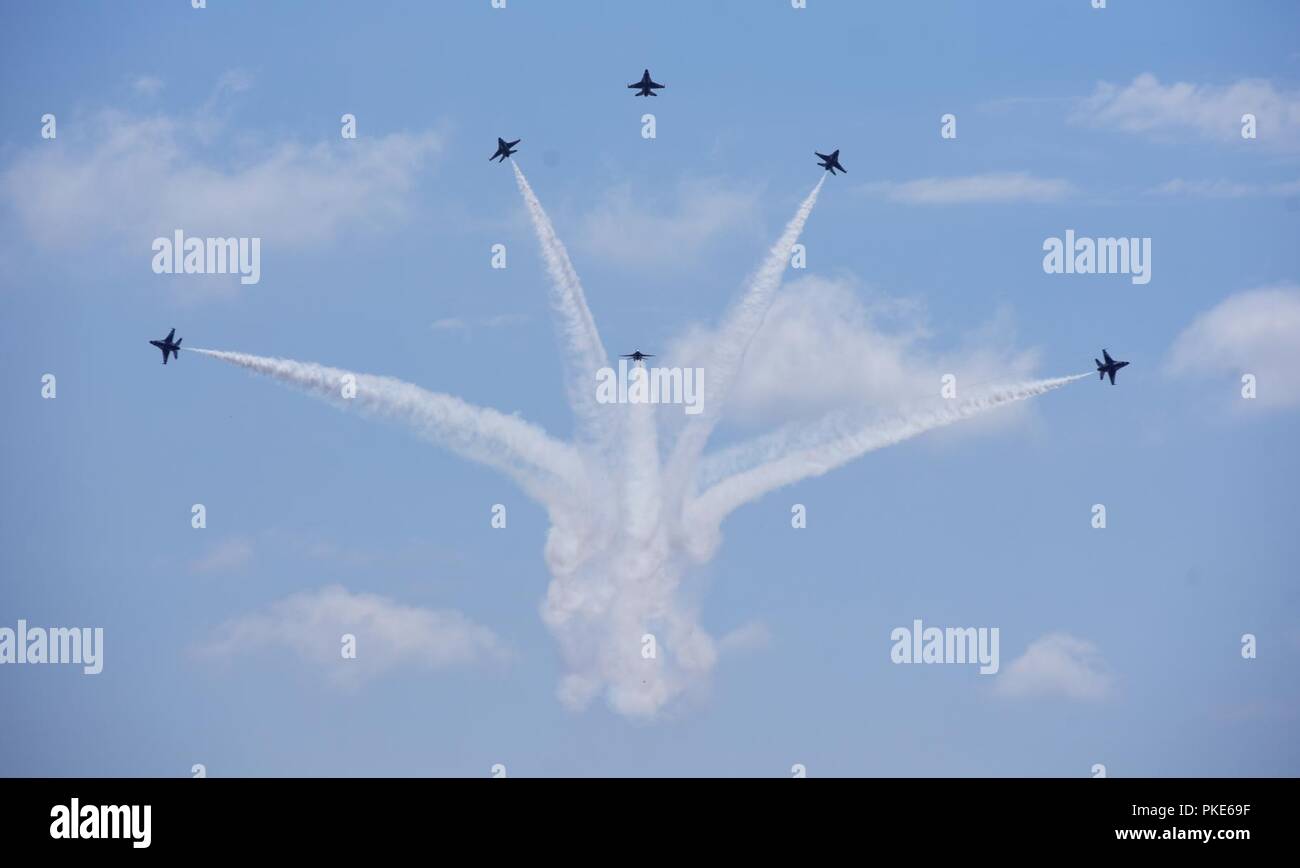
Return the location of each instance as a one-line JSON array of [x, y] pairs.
[[1013, 103], [988, 188], [1255, 332], [1058, 664], [753, 636], [226, 556], [1223, 189], [1211, 112], [466, 325], [823, 347], [311, 625], [635, 228], [147, 85], [128, 178]]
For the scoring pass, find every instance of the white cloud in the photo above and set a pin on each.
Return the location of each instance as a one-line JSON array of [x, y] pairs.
[[753, 636], [310, 625], [653, 229], [233, 81], [466, 325], [1057, 665], [1222, 189], [147, 85], [227, 556], [501, 320], [988, 188], [822, 348], [1255, 332], [121, 177], [1208, 111]]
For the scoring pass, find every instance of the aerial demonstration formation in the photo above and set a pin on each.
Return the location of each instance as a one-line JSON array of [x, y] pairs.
[[670, 506], [647, 87], [742, 422]]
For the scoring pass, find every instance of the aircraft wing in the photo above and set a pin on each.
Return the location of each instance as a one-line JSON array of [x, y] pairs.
[[1112, 376], [1105, 355]]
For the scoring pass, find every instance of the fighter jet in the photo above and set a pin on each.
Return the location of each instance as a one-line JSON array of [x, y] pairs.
[[637, 356], [167, 345], [646, 86], [830, 162], [1109, 367], [504, 149]]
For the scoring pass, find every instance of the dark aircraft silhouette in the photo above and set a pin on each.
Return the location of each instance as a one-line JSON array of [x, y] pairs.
[[1109, 367], [830, 162], [646, 86], [167, 345], [504, 149], [638, 356]]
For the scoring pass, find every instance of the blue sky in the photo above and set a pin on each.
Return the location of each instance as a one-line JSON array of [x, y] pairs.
[[925, 258]]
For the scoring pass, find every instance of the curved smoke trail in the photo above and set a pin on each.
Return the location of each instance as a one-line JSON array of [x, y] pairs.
[[732, 342], [796, 453], [623, 525], [544, 467], [586, 354]]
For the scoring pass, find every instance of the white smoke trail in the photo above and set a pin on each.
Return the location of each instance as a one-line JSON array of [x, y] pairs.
[[791, 455], [732, 342], [618, 587], [642, 493], [623, 588], [585, 352], [546, 468], [623, 526]]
